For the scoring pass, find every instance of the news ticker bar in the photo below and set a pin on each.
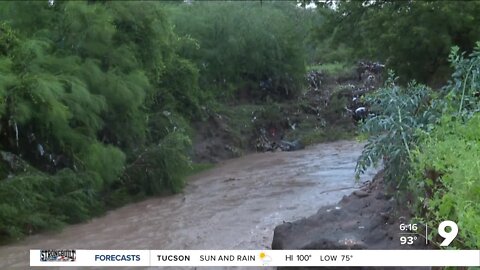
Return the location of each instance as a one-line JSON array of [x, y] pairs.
[[256, 258]]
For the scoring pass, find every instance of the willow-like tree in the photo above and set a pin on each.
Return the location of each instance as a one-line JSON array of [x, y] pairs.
[[88, 89]]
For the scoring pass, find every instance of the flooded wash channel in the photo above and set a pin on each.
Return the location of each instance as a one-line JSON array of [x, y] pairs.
[[235, 205]]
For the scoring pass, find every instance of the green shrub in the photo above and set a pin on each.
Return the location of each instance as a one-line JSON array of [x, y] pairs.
[[34, 201], [400, 113], [105, 161], [462, 91], [160, 168], [445, 179]]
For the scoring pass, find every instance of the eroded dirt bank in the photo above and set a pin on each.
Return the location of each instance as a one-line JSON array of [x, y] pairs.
[[233, 206], [368, 218]]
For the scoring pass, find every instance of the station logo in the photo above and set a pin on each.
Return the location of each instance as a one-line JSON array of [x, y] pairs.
[[58, 255]]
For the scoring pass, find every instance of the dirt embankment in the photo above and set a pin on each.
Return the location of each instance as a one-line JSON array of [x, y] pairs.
[[323, 112], [366, 219]]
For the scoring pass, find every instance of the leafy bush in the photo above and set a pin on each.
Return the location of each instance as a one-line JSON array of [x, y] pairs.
[[399, 113], [105, 161], [462, 91], [34, 201], [445, 178], [160, 168]]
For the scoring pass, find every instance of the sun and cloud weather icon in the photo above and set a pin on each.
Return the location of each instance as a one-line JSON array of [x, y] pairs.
[[264, 258]]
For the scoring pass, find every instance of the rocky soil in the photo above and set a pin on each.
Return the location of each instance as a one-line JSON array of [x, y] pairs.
[[366, 219]]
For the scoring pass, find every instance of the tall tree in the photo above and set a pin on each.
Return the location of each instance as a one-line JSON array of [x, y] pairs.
[[412, 37]]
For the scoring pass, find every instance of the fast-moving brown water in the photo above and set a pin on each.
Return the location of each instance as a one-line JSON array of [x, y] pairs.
[[236, 205]]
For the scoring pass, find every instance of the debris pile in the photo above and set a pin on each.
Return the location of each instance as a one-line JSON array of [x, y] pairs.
[[314, 79], [267, 141], [369, 75]]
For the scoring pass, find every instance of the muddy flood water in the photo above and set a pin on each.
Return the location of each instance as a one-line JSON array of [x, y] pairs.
[[235, 205]]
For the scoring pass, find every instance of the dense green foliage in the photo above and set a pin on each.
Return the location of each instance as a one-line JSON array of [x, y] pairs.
[[429, 142], [445, 179], [239, 45], [412, 37], [36, 201], [88, 89]]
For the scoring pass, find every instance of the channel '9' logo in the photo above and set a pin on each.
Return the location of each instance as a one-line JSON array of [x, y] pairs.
[[450, 235]]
